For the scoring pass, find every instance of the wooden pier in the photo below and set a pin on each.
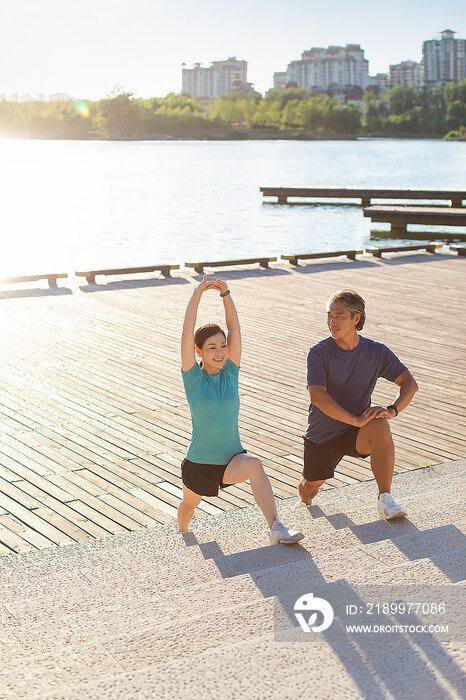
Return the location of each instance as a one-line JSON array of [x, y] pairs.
[[94, 422], [365, 195], [400, 217]]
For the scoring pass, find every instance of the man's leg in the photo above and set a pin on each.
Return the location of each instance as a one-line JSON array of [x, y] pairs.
[[375, 439], [308, 489]]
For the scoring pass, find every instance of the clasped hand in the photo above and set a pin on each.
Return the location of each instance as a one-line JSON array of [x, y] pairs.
[[374, 412], [218, 284]]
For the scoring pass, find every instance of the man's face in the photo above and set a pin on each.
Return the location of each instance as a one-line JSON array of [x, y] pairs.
[[339, 320]]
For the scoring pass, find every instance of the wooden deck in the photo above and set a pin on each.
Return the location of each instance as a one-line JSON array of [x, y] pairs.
[[94, 419]]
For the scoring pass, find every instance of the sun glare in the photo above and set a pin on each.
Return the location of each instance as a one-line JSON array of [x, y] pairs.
[[81, 108]]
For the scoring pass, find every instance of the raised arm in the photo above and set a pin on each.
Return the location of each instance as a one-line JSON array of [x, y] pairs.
[[232, 323], [188, 354]]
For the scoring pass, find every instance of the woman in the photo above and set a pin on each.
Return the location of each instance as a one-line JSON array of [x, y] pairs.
[[215, 456]]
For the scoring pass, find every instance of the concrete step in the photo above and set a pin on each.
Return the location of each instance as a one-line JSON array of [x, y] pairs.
[[151, 592], [121, 604], [74, 588], [332, 510], [263, 668], [188, 638], [409, 487], [323, 534], [53, 629]]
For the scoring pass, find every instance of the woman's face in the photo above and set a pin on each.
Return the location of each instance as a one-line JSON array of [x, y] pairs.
[[213, 353]]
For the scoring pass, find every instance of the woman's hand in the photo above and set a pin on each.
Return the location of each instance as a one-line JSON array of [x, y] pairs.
[[220, 285], [205, 284]]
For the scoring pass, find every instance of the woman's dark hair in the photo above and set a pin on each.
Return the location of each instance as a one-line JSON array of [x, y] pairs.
[[353, 302], [205, 332]]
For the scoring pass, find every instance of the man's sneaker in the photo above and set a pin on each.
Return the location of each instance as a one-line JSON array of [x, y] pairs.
[[279, 534], [388, 508], [300, 505]]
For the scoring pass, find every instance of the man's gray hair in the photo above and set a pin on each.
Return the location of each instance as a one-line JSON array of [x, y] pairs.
[[353, 302]]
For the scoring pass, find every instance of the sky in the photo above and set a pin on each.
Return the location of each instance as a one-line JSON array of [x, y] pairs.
[[85, 48]]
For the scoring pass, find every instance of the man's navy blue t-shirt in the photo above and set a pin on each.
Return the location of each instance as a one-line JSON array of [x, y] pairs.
[[349, 377]]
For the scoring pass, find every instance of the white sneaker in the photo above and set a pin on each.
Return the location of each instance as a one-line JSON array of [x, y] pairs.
[[300, 505], [279, 534], [388, 508]]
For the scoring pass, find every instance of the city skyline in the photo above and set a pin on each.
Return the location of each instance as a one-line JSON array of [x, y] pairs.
[[49, 47]]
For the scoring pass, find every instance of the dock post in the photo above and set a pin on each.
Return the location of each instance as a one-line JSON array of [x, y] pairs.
[[365, 201], [398, 227], [282, 199], [456, 203]]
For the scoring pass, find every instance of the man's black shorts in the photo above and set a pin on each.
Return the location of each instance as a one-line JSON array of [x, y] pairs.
[[321, 458]]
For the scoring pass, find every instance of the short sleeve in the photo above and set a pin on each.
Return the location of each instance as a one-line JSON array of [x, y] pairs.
[[390, 367], [190, 377], [316, 373], [231, 368]]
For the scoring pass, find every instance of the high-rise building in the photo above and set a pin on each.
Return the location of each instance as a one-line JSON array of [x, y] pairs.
[[444, 59], [406, 73], [218, 79], [336, 65], [280, 80], [379, 80]]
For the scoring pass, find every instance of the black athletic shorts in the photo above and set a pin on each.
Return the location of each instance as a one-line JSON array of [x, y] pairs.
[[321, 458], [204, 479]]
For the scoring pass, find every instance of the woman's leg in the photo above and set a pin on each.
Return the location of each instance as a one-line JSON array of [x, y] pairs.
[[243, 467], [186, 508]]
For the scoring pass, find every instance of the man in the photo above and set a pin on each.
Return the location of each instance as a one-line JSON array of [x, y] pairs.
[[342, 371]]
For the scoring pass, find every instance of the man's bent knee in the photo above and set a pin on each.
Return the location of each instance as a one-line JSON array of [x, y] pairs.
[[380, 429], [376, 431]]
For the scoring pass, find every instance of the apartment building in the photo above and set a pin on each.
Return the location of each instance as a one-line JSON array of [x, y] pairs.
[[335, 65], [379, 80], [406, 73], [217, 79], [444, 59]]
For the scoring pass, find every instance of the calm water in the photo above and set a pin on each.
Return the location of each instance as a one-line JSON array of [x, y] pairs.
[[70, 205]]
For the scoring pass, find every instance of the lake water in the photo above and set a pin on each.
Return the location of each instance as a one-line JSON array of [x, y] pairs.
[[69, 205]]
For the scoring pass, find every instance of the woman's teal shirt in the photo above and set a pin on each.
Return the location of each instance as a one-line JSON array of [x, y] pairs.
[[214, 404]]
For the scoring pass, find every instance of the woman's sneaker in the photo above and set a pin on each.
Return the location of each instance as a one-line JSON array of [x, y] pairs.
[[388, 508], [279, 534]]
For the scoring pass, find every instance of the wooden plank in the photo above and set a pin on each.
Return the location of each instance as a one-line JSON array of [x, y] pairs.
[[11, 542], [428, 247], [460, 249], [34, 520], [90, 275], [199, 266], [51, 278], [24, 534], [400, 216], [365, 195], [294, 258]]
